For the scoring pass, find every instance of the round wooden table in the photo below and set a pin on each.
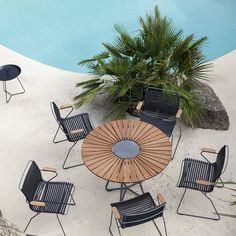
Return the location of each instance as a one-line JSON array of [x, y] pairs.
[[126, 151]]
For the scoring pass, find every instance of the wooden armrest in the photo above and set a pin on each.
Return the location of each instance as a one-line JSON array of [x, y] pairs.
[[115, 212], [76, 131], [210, 150], [161, 198], [37, 203], [50, 169], [139, 106], [65, 106], [204, 182], [178, 114]]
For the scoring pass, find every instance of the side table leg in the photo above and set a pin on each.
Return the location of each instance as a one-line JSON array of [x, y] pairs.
[[12, 94], [4, 85]]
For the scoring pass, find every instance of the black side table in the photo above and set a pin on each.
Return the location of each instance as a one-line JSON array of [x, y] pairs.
[[9, 72]]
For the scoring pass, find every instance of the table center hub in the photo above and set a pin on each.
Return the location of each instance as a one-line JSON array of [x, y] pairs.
[[126, 149]]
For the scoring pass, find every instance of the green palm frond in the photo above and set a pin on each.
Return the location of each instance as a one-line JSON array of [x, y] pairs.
[[113, 51], [88, 83], [157, 55], [101, 56], [117, 67], [87, 96], [117, 111]]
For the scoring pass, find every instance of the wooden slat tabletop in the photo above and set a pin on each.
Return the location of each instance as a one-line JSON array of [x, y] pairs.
[[154, 156]]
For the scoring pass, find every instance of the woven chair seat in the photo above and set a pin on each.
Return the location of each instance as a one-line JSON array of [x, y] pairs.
[[138, 210], [164, 123], [80, 121], [197, 170], [56, 195]]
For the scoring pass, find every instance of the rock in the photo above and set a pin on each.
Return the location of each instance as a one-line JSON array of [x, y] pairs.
[[214, 113], [9, 229]]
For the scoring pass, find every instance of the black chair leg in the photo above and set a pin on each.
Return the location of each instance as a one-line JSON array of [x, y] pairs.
[[221, 182], [62, 140], [111, 225], [64, 164], [218, 216], [61, 225], [72, 200], [30, 221], [197, 216], [177, 144], [12, 94], [54, 138], [180, 203], [164, 224], [157, 227], [118, 227]]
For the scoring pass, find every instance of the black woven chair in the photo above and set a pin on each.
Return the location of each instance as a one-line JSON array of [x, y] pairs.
[[161, 109], [74, 127], [203, 176], [137, 211], [45, 196]]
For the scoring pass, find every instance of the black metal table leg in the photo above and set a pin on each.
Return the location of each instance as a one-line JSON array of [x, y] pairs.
[[124, 188]]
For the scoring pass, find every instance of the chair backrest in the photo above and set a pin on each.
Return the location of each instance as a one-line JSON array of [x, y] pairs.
[[30, 180], [161, 101], [145, 216], [222, 156], [56, 112]]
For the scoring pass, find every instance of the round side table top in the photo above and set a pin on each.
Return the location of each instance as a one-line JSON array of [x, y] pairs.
[[9, 72], [126, 151]]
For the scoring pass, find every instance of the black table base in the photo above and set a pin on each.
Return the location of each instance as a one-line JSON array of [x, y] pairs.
[[124, 188]]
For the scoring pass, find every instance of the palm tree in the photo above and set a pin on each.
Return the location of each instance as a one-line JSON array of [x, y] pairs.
[[157, 56]]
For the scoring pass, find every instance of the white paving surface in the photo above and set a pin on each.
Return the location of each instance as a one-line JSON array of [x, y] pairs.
[[27, 128]]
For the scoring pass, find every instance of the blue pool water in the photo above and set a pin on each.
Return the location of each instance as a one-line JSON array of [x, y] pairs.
[[61, 32]]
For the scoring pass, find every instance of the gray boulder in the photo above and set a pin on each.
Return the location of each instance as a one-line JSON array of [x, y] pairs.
[[214, 113]]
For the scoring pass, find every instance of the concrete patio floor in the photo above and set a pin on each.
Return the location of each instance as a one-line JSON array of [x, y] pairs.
[[27, 129]]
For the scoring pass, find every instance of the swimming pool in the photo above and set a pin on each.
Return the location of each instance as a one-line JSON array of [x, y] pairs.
[[61, 33]]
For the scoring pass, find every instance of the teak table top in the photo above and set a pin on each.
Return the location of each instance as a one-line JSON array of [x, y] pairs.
[[154, 151]]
